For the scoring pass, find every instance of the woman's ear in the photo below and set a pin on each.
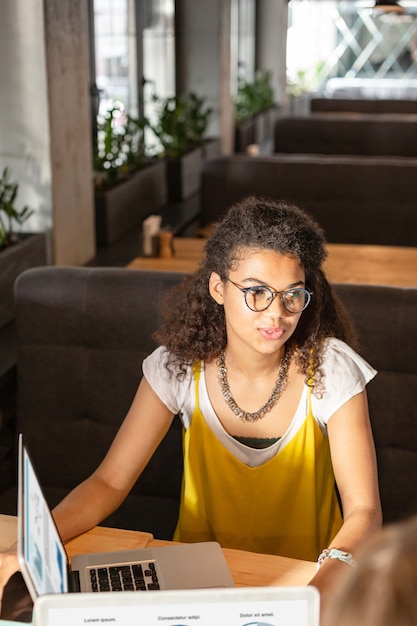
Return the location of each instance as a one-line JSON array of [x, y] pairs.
[[216, 287]]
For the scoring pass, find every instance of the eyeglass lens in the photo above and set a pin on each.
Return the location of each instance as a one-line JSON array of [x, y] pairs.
[[294, 300]]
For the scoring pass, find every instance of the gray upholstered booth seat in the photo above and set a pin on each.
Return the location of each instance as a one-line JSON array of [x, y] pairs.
[[83, 333], [385, 318], [362, 105], [82, 336], [366, 200], [349, 133]]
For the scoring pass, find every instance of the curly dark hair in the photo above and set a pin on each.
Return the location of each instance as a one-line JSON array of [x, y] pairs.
[[194, 327]]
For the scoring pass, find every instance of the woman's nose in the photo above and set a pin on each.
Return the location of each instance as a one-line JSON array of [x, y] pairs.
[[276, 309]]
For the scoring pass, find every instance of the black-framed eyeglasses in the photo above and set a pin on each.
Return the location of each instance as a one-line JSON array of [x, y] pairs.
[[260, 297]]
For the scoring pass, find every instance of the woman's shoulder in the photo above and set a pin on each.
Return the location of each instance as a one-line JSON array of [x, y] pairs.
[[157, 358], [164, 380], [161, 360], [339, 357], [345, 374]]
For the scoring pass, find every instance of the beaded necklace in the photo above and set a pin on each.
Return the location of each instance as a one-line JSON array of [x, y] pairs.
[[278, 389]]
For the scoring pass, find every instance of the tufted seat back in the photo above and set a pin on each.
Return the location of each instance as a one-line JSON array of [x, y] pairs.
[[83, 333], [365, 134], [364, 200]]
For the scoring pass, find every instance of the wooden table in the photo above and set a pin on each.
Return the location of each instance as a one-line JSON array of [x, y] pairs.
[[248, 568], [346, 263]]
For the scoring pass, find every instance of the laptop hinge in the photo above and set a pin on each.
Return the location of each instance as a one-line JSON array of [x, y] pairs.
[[74, 581]]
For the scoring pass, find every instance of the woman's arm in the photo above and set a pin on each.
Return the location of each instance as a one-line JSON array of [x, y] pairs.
[[144, 427], [354, 464]]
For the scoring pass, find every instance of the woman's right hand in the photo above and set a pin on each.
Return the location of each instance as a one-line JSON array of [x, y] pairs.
[[9, 564]]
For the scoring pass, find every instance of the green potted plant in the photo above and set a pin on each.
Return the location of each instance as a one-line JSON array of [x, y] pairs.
[[255, 110], [130, 184], [18, 251], [8, 211], [180, 127]]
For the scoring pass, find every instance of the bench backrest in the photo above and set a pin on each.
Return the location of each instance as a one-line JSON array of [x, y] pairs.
[[365, 200], [362, 105], [83, 333], [349, 133]]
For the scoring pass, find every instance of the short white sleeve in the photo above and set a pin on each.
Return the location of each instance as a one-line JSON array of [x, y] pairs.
[[176, 395], [346, 374]]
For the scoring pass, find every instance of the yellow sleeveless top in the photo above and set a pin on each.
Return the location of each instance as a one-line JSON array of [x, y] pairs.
[[287, 506]]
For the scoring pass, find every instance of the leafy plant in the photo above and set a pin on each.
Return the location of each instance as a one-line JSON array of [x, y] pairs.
[[254, 97], [9, 214], [121, 148], [181, 123]]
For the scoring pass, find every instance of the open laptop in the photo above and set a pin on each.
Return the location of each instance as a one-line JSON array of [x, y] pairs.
[[249, 606], [45, 567]]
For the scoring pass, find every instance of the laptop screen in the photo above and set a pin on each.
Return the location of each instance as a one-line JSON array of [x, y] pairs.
[[41, 553]]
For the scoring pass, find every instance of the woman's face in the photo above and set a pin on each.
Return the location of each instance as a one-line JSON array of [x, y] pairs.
[[262, 331]]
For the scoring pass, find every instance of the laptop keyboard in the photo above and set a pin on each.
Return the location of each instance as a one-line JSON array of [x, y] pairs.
[[131, 577]]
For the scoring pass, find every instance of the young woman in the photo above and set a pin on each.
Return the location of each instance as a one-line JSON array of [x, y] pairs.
[[256, 357]]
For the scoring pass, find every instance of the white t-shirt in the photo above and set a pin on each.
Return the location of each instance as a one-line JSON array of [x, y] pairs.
[[345, 375]]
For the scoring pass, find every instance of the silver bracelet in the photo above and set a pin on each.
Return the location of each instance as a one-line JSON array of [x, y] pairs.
[[333, 553]]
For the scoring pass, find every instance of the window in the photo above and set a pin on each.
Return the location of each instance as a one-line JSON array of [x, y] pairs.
[[243, 37], [115, 54], [352, 43], [133, 47]]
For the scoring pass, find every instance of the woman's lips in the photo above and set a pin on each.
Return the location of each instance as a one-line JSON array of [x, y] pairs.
[[272, 333]]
